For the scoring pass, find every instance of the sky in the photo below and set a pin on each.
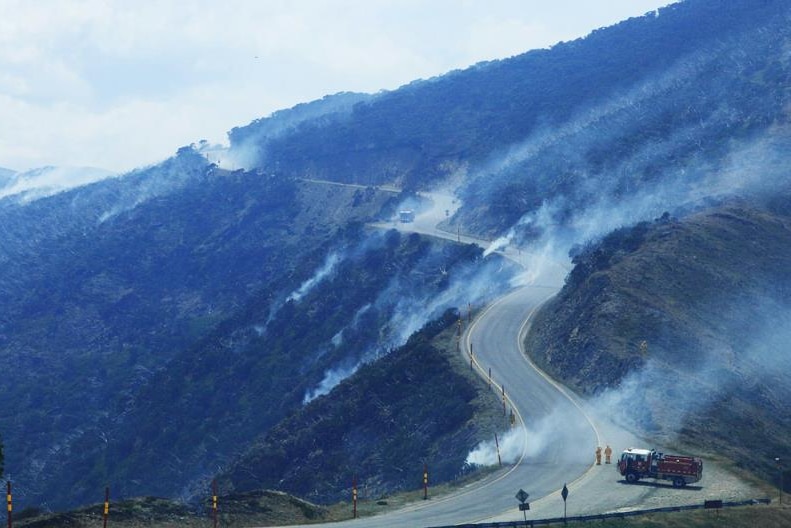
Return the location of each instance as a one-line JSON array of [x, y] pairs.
[[116, 84]]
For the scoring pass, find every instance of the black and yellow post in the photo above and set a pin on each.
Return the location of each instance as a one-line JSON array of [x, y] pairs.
[[214, 501], [10, 507], [106, 513], [354, 497], [425, 481]]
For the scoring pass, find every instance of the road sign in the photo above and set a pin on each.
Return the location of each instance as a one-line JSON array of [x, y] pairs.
[[564, 493], [524, 507], [522, 495]]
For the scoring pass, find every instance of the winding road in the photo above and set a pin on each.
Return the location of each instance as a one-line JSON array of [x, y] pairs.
[[553, 439], [554, 449]]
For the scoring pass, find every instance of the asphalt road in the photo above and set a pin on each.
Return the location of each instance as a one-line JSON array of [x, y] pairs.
[[554, 440]]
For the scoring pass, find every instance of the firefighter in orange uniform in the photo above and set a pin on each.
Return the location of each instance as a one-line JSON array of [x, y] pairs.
[[607, 455], [598, 456]]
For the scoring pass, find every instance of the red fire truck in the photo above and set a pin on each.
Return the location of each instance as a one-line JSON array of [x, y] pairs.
[[636, 464]]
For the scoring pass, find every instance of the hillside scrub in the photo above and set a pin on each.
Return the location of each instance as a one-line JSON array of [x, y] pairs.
[[418, 405], [680, 329]]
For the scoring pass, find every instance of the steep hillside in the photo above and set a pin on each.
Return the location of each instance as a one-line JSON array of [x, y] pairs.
[[266, 361], [419, 405], [650, 104], [104, 285], [680, 328]]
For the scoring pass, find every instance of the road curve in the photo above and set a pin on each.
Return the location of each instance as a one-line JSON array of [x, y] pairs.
[[557, 443]]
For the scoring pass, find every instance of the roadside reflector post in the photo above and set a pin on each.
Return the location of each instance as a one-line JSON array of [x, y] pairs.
[[425, 481], [106, 512], [214, 501], [8, 500], [354, 497], [490, 377], [497, 445]]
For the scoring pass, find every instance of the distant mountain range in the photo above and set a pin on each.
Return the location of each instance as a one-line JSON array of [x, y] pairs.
[[164, 324]]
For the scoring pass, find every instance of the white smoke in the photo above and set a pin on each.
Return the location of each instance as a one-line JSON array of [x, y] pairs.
[[337, 339], [512, 445], [473, 284], [562, 426], [755, 167], [47, 181], [322, 273], [588, 122], [332, 378], [759, 363], [411, 309]]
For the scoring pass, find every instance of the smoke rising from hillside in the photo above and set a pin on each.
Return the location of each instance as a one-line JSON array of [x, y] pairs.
[[754, 367], [586, 192], [547, 234], [411, 301], [537, 439], [574, 138], [332, 378], [474, 284], [644, 184], [512, 445], [328, 267]]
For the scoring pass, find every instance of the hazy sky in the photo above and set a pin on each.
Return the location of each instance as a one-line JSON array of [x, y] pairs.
[[120, 84]]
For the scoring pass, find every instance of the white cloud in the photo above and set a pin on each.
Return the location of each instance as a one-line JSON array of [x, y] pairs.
[[119, 84]]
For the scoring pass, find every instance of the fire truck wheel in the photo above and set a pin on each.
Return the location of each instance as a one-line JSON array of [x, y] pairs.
[[679, 482], [631, 478]]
